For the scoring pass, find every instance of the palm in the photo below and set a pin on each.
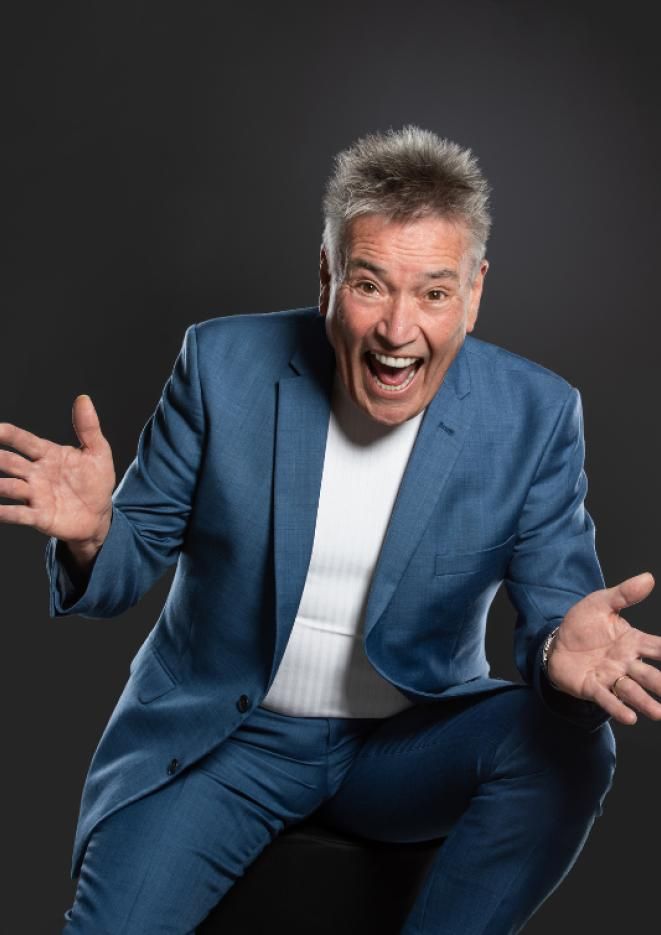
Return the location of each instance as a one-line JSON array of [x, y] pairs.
[[65, 491], [594, 639], [70, 489], [595, 647]]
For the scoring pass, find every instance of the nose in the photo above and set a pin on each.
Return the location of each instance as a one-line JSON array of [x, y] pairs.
[[398, 323]]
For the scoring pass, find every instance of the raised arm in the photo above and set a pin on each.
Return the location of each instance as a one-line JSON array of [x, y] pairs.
[[105, 550], [150, 507]]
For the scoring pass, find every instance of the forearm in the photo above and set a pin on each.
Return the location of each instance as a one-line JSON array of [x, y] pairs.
[[150, 510]]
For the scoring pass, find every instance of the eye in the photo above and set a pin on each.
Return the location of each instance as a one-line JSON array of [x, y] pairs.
[[437, 295], [367, 287]]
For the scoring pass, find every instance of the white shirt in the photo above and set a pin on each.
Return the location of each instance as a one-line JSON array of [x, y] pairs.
[[324, 671]]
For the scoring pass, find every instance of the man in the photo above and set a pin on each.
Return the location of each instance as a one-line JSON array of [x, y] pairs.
[[343, 495]]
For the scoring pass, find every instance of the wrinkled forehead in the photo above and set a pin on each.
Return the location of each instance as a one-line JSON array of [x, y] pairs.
[[379, 242]]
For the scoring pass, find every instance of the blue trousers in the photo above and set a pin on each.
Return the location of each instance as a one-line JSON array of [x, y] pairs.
[[515, 789]]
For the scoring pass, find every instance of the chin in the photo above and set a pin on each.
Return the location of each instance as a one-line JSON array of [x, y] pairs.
[[382, 409], [391, 414]]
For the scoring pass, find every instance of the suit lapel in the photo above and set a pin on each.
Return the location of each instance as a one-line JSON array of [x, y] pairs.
[[440, 439], [303, 413]]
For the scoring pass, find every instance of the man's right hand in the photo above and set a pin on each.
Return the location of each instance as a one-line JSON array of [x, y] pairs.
[[66, 492]]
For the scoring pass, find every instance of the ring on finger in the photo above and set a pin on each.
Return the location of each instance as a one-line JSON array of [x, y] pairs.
[[614, 685]]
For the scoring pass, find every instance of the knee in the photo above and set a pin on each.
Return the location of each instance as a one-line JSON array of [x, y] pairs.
[[581, 768], [591, 764], [571, 768]]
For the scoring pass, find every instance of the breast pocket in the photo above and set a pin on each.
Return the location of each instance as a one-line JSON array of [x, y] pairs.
[[487, 562], [465, 584]]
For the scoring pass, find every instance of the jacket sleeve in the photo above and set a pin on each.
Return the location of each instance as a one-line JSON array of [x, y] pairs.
[[151, 505], [554, 563]]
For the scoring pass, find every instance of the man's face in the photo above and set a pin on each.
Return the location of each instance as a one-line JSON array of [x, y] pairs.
[[402, 311]]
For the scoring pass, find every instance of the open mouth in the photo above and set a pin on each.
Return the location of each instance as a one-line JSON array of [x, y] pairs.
[[392, 374]]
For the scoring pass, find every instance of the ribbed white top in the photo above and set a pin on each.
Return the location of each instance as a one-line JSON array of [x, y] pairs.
[[324, 671]]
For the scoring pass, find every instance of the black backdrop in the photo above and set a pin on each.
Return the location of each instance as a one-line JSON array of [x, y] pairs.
[[163, 164]]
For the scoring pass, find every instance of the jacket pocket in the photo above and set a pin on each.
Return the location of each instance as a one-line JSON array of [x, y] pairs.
[[152, 679], [460, 563]]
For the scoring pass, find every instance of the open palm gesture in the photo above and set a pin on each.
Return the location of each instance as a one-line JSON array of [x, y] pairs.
[[595, 648], [65, 491]]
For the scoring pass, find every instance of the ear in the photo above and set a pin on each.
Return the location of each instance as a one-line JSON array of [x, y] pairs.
[[324, 281], [475, 295]]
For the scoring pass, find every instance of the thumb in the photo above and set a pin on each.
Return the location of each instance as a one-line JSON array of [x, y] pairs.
[[86, 422], [630, 591]]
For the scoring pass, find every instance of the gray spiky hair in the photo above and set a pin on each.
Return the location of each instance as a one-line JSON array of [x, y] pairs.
[[405, 174]]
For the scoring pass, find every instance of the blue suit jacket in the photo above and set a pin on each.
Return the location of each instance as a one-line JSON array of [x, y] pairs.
[[226, 484]]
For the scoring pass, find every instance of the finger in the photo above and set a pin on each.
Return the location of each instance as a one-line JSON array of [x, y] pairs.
[[14, 464], [610, 703], [19, 515], [649, 645], [86, 422], [634, 695], [14, 489], [24, 441], [631, 591], [647, 676]]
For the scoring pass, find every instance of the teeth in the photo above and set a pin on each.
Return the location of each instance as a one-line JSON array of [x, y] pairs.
[[395, 389], [394, 361]]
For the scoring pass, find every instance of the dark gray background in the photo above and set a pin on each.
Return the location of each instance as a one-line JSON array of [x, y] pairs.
[[164, 164]]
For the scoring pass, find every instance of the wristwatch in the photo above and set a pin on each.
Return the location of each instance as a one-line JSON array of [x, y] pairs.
[[545, 655]]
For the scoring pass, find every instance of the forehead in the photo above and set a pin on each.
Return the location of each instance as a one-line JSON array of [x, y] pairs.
[[419, 243]]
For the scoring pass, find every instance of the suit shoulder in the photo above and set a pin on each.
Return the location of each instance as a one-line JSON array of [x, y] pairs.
[[512, 373], [268, 324], [260, 338], [237, 351]]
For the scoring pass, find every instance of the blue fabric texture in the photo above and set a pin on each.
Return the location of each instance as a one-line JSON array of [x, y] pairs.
[[513, 789], [225, 484]]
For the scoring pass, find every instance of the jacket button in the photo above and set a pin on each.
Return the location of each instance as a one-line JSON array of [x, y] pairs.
[[173, 766], [243, 703]]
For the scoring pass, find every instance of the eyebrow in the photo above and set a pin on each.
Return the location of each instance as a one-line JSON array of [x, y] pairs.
[[444, 273]]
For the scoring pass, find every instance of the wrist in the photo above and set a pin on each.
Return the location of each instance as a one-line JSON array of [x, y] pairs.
[[84, 550], [547, 651]]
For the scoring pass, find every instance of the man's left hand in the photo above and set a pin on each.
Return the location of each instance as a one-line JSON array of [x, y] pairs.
[[595, 647]]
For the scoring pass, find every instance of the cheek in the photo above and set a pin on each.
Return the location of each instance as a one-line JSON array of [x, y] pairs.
[[446, 335], [350, 329]]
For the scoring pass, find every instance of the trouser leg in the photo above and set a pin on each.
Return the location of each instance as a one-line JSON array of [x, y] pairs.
[[161, 863], [514, 788]]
